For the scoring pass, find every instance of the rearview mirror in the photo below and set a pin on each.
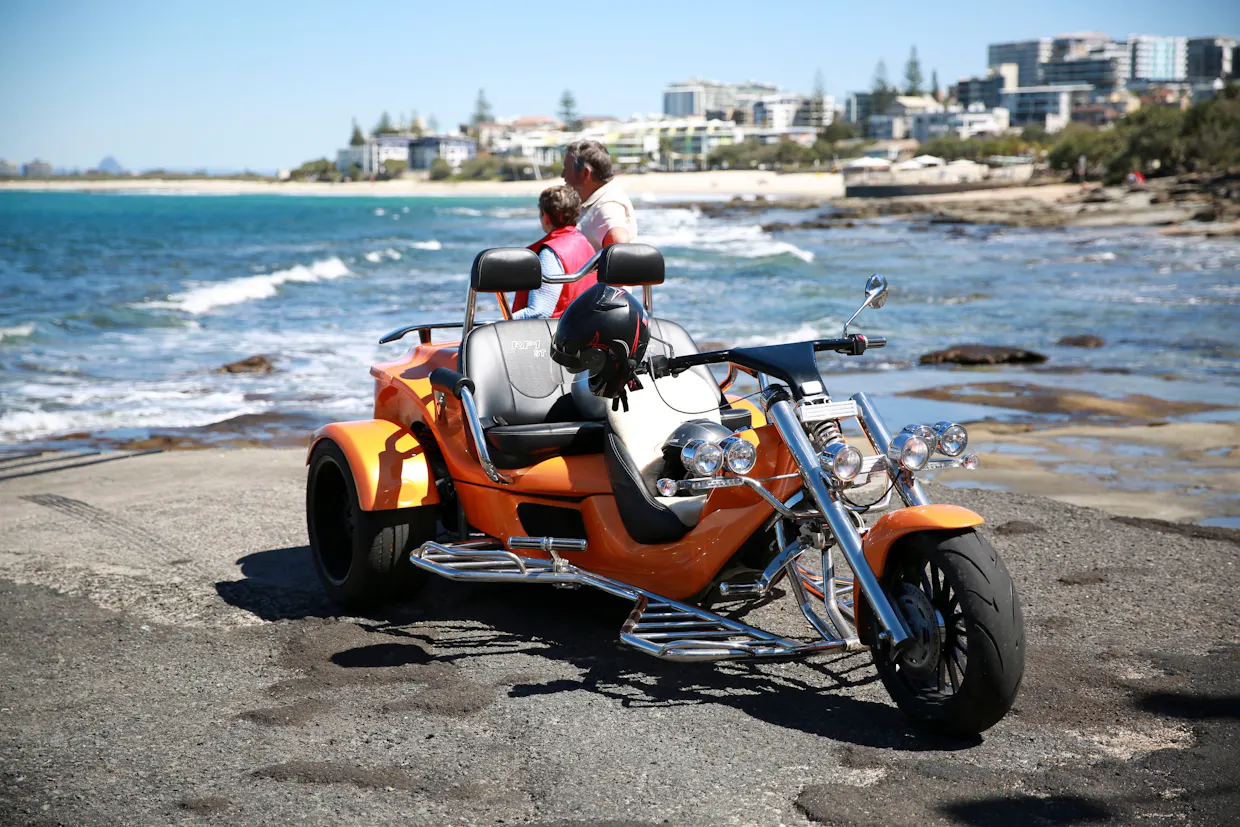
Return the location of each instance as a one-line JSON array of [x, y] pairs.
[[876, 291], [875, 296]]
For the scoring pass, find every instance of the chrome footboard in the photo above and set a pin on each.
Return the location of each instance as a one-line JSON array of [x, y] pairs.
[[658, 626]]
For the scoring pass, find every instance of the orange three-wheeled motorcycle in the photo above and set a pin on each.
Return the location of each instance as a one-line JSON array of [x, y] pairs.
[[501, 458]]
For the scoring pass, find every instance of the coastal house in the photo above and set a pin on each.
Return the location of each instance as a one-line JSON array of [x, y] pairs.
[[374, 153], [8, 169], [454, 149], [1048, 106], [961, 123]]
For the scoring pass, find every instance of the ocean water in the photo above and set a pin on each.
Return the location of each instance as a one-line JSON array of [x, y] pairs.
[[116, 309]]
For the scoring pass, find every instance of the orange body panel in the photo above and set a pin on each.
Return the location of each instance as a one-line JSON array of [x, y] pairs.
[[403, 394], [388, 463]]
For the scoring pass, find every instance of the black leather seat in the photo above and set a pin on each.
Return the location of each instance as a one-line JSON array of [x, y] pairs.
[[524, 399]]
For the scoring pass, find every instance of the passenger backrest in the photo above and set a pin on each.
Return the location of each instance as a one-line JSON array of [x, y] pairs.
[[516, 381], [670, 339], [658, 409]]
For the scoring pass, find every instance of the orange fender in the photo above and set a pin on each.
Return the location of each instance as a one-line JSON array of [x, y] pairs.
[[891, 527], [388, 463]]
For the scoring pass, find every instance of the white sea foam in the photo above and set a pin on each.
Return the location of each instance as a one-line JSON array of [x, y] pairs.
[[20, 331], [470, 211], [207, 297], [380, 211], [689, 229], [426, 245], [374, 256]]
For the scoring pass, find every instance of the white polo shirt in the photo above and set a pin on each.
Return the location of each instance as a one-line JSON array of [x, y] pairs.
[[604, 211]]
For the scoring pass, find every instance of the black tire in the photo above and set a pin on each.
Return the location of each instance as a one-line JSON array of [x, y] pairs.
[[971, 681], [361, 557]]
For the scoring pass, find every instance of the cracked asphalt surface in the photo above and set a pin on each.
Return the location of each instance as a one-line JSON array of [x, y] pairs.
[[166, 657]]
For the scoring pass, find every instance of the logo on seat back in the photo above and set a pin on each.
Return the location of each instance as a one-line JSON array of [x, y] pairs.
[[530, 344]]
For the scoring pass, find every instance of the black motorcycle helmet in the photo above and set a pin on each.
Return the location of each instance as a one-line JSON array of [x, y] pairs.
[[604, 331]]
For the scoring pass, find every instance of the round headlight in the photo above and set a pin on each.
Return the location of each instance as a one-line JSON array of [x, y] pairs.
[[909, 451], [666, 487], [925, 432], [953, 439], [739, 454], [841, 461], [701, 458]]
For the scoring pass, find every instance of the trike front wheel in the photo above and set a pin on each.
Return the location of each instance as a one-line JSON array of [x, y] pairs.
[[961, 672]]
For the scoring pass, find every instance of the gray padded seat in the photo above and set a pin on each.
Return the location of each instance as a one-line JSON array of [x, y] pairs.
[[525, 400]]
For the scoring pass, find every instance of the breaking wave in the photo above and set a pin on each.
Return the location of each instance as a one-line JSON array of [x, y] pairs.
[[249, 288], [20, 331], [426, 245], [689, 229]]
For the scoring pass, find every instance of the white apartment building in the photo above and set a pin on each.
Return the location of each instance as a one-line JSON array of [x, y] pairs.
[[961, 123], [8, 169], [376, 151], [455, 149], [1157, 58], [1047, 106], [711, 100]]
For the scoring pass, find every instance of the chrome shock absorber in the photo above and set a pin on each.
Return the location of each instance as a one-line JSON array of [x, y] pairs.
[[824, 432]]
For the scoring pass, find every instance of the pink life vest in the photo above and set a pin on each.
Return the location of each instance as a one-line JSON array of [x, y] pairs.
[[573, 251]]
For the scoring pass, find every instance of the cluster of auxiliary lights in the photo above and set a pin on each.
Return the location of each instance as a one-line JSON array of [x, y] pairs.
[[703, 458], [911, 450]]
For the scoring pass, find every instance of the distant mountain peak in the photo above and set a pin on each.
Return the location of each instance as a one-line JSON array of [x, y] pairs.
[[111, 165]]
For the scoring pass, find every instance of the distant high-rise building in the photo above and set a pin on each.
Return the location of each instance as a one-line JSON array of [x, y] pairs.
[[1082, 59], [1213, 57], [857, 108], [8, 169], [37, 169], [1028, 55], [698, 98], [986, 90], [1157, 58]]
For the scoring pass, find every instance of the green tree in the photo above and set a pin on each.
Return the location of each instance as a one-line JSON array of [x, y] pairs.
[[440, 169], [482, 110], [384, 126], [1152, 139], [1212, 131], [414, 127], [912, 74], [934, 84], [357, 138], [432, 124], [568, 110], [1099, 146], [1035, 133], [882, 94], [318, 170], [820, 85], [355, 172], [837, 130], [393, 168]]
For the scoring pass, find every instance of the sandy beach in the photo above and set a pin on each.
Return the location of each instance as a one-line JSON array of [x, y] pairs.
[[718, 183]]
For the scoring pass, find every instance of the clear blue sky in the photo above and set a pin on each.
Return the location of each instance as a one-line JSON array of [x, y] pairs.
[[222, 84]]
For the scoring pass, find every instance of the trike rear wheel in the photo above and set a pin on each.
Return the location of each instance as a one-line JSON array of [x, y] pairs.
[[361, 557], [962, 671]]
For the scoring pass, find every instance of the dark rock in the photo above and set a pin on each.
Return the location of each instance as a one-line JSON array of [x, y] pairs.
[[982, 355], [254, 364], [1015, 528], [1087, 340]]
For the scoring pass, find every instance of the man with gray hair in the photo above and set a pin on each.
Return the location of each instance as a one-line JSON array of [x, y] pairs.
[[607, 213]]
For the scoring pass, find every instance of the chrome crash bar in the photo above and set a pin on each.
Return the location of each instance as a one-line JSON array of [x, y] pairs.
[[480, 442]]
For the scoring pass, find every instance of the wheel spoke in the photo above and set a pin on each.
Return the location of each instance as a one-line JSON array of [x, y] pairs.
[[952, 673], [942, 675]]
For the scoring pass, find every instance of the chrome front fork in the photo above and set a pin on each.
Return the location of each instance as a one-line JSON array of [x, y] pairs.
[[780, 411]]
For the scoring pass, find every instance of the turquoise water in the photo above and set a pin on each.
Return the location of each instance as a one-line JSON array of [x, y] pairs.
[[115, 310]]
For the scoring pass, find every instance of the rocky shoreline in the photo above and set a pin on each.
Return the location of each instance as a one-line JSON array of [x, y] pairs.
[[1207, 206]]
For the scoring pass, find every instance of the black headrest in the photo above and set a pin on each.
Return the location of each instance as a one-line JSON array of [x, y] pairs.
[[506, 270], [627, 265]]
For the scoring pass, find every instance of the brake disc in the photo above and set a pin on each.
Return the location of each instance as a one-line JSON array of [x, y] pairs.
[[919, 658]]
